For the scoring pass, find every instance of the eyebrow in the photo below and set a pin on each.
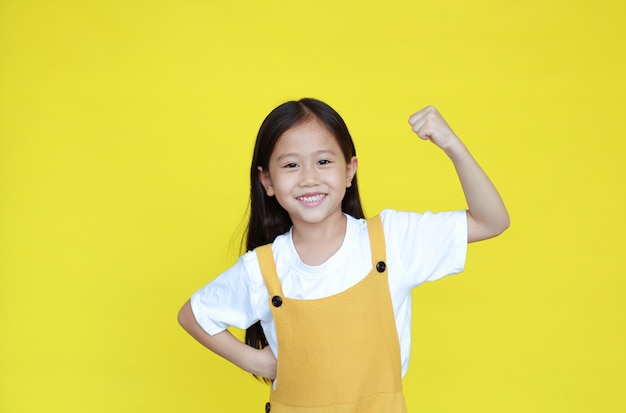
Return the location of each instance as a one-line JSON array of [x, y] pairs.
[[295, 154]]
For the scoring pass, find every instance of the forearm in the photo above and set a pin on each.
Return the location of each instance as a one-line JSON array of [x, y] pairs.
[[487, 214], [258, 362]]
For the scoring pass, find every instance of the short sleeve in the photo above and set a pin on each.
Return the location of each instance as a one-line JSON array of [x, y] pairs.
[[427, 245], [225, 301]]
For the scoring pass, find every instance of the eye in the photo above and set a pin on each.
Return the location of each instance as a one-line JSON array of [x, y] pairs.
[[324, 162], [291, 165]]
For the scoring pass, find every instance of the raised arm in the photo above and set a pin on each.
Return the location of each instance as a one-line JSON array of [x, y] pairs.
[[258, 362], [486, 214]]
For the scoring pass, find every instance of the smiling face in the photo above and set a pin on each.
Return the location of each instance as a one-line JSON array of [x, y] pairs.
[[308, 174]]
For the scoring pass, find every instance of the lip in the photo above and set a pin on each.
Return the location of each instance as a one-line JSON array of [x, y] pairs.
[[311, 199]]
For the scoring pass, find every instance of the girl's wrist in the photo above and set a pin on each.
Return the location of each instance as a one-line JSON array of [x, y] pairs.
[[264, 363], [454, 148]]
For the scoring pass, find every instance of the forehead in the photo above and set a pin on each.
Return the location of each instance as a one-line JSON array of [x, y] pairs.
[[307, 137]]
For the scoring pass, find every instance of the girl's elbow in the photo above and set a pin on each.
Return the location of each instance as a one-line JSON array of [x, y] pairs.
[[478, 231], [502, 225], [504, 222], [185, 316], [499, 225]]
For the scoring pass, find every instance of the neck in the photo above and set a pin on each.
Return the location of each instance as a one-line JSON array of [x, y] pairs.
[[316, 243]]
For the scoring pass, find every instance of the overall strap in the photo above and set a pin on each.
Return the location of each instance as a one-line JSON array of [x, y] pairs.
[[377, 241], [268, 269]]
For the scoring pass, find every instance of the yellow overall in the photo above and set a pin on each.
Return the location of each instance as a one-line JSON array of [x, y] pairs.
[[337, 354]]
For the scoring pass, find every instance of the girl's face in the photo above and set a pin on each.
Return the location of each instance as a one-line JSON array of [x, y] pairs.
[[308, 174]]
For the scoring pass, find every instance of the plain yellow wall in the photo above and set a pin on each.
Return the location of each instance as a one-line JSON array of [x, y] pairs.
[[126, 129]]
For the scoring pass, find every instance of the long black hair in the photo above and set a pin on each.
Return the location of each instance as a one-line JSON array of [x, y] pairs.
[[267, 218]]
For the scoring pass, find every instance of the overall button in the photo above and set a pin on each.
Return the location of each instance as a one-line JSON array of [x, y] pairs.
[[380, 266], [268, 407], [277, 301]]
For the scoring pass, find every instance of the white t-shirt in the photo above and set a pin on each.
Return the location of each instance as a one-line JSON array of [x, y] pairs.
[[420, 247]]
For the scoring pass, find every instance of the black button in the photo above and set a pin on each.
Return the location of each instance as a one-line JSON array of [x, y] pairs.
[[268, 406], [277, 301], [380, 266]]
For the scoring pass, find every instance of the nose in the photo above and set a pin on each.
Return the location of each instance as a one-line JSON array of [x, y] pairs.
[[309, 176]]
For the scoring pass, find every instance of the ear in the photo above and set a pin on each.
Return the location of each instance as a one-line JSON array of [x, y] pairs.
[[351, 170], [266, 181]]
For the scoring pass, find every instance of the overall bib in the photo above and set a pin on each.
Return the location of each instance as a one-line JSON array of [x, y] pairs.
[[338, 354]]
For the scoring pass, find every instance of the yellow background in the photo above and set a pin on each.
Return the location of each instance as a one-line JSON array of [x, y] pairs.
[[126, 131]]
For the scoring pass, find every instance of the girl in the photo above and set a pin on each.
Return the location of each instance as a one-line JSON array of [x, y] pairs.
[[325, 295]]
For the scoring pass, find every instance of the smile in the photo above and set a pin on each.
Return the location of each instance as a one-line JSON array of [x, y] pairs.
[[313, 198]]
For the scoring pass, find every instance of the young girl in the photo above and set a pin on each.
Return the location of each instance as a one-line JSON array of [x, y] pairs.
[[325, 295]]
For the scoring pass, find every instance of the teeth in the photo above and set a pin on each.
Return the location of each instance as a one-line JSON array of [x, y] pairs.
[[311, 198]]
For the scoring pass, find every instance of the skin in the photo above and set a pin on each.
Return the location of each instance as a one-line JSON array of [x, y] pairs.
[[486, 214], [308, 176]]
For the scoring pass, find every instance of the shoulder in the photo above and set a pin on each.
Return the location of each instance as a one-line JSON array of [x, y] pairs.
[[428, 245], [393, 221], [280, 244], [401, 227], [282, 251], [393, 218], [389, 218]]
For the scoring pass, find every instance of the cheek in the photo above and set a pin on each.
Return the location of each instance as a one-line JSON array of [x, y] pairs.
[[283, 184]]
